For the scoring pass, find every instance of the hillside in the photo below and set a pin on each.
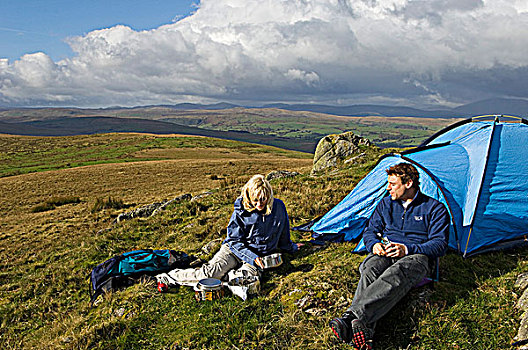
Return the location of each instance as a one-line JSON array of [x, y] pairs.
[[296, 130], [47, 253]]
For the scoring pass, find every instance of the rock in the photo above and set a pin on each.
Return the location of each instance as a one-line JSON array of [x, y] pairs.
[[277, 174], [67, 340], [212, 246], [334, 149], [353, 159], [200, 196], [123, 313], [150, 209], [120, 312], [522, 303], [522, 281], [522, 333]]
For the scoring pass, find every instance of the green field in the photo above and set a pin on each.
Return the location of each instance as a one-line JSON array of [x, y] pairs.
[[383, 131], [21, 154], [47, 254], [271, 126]]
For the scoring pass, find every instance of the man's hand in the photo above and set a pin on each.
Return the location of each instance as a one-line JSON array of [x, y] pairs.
[[379, 249], [395, 250]]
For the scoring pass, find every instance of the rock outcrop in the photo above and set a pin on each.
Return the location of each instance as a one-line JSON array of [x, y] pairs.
[[277, 174], [334, 149], [521, 339], [150, 209]]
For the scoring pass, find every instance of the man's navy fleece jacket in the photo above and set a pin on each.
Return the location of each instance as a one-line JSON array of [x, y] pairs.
[[423, 227]]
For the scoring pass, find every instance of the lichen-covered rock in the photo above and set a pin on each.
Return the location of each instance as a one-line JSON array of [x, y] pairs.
[[201, 195], [522, 333], [522, 281], [212, 246], [150, 209], [336, 148], [277, 174], [522, 303]]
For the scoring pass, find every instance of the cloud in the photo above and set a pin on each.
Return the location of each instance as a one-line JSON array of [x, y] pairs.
[[249, 51]]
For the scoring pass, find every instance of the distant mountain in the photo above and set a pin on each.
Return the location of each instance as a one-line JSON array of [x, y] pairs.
[[296, 127], [187, 106], [517, 107], [366, 110], [514, 107]]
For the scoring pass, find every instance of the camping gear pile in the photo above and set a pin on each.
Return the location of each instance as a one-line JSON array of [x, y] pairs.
[[475, 167], [124, 270]]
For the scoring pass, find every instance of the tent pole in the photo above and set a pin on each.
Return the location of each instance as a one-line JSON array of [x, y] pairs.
[[496, 120]]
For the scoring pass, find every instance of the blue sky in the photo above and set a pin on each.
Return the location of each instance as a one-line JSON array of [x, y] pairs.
[[424, 54], [28, 26]]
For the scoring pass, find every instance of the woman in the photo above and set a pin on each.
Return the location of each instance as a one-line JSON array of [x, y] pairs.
[[258, 227]]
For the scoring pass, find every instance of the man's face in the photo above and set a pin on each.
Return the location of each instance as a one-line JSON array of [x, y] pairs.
[[397, 189]]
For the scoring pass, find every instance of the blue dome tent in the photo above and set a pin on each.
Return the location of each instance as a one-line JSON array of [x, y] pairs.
[[477, 167]]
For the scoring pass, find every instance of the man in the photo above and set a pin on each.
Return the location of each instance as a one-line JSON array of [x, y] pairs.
[[406, 233]]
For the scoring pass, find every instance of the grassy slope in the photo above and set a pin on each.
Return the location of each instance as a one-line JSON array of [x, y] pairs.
[[383, 131], [21, 154], [46, 256]]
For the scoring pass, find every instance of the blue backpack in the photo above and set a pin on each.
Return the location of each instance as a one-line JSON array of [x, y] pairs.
[[126, 269]]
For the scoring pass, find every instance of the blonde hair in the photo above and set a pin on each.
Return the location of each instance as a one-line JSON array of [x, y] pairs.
[[257, 187]]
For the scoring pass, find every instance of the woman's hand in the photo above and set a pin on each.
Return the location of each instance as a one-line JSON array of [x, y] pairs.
[[259, 262]]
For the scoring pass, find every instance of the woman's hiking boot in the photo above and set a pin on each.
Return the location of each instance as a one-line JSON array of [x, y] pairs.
[[162, 287]]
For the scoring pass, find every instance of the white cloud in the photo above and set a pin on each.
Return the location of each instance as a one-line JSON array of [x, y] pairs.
[[440, 51]]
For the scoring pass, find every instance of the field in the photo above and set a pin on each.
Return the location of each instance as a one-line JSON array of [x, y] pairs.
[[383, 131], [52, 234], [294, 130]]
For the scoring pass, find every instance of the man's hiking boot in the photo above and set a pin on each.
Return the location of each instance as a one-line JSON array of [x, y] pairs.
[[341, 328], [360, 335]]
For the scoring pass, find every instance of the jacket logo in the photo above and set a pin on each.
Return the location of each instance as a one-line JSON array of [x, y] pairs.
[[418, 218]]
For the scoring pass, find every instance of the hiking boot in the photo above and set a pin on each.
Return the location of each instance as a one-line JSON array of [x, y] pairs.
[[341, 328], [360, 335], [162, 287]]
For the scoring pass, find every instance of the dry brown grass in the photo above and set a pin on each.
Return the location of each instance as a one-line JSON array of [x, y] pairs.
[[41, 251], [136, 183]]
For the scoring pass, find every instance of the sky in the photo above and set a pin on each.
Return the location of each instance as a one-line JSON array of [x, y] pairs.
[[417, 53]]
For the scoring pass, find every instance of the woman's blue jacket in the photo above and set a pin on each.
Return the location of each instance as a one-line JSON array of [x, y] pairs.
[[252, 234]]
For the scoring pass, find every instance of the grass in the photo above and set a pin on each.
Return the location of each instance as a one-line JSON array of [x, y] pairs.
[[54, 202], [108, 203], [25, 154], [45, 258]]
